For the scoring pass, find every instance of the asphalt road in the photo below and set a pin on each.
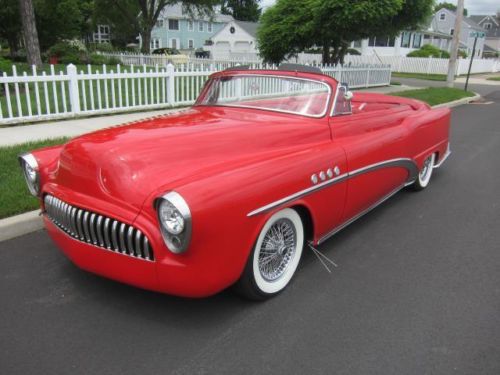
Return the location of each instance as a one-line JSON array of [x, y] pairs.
[[417, 291]]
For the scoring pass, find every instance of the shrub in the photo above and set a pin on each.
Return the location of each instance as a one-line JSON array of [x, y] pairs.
[[68, 52], [96, 59], [5, 65], [429, 51], [114, 61], [101, 47]]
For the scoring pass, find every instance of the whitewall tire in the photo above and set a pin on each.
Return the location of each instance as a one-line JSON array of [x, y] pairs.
[[275, 256], [425, 174]]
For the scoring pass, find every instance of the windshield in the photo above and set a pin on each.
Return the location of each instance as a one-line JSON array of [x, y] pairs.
[[283, 94]]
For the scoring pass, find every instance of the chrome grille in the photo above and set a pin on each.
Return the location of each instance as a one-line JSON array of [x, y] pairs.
[[98, 230]]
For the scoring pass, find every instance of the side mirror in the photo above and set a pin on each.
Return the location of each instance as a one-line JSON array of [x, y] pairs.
[[348, 95]]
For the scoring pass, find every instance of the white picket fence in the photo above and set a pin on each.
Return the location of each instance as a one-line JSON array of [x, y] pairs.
[[37, 97], [400, 64], [427, 65]]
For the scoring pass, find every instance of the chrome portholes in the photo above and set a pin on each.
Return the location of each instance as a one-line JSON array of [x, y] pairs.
[[408, 164], [277, 250], [322, 176]]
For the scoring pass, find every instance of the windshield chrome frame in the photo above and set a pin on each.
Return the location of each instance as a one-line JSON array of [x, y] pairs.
[[325, 110]]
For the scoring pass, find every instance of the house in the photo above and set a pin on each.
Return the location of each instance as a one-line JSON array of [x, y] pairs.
[[444, 22], [438, 33], [491, 26], [103, 34], [235, 39], [176, 29], [402, 44]]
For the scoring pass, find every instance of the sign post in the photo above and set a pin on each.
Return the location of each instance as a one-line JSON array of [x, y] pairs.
[[475, 34]]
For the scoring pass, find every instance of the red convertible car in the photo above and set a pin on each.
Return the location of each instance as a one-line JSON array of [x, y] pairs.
[[230, 191]]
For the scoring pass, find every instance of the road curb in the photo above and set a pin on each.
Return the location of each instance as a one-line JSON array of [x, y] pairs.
[[458, 102], [20, 225]]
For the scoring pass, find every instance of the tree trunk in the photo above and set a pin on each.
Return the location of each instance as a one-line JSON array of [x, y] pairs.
[[30, 33], [146, 40], [326, 53]]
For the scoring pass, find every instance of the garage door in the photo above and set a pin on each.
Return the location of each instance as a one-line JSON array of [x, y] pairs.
[[242, 46]]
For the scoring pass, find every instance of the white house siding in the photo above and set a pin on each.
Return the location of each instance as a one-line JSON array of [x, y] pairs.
[[227, 43], [468, 25]]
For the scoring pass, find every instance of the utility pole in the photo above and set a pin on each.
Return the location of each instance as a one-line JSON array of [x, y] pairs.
[[454, 44]]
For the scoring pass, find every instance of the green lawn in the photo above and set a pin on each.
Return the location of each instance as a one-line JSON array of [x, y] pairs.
[[14, 195], [435, 95], [430, 77], [493, 78]]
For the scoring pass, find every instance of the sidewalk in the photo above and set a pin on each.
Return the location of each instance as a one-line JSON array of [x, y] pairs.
[[69, 128], [12, 135]]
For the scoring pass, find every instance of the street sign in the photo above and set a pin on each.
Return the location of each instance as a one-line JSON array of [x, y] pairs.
[[477, 34]]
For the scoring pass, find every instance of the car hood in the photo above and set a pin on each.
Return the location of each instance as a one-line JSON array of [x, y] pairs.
[[129, 162]]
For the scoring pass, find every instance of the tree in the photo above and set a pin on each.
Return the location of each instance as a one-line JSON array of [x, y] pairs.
[[142, 15], [290, 26], [62, 19], [10, 28], [27, 13], [242, 10], [448, 6]]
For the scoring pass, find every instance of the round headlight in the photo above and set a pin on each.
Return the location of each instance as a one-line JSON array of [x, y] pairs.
[[31, 173], [174, 217], [171, 218]]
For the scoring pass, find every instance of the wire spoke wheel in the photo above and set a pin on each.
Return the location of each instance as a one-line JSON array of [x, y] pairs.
[[278, 248], [275, 256]]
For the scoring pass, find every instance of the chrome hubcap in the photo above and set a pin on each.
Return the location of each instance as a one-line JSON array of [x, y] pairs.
[[277, 250]]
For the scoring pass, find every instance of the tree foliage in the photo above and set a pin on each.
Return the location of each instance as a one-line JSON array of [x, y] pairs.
[[63, 19], [141, 15], [10, 25], [242, 10], [448, 6], [290, 26]]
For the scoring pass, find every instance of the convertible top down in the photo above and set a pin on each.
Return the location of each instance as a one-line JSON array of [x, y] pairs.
[[229, 191]]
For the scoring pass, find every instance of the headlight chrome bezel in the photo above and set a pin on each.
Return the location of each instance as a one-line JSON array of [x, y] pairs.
[[176, 243], [28, 160]]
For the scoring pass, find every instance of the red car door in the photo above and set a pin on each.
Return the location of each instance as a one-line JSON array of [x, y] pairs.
[[374, 141]]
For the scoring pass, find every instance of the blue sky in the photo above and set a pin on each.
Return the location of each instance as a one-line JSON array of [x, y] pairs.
[[473, 6]]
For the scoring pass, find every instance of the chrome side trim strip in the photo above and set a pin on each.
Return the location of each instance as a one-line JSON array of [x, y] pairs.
[[361, 214], [406, 163], [300, 194]]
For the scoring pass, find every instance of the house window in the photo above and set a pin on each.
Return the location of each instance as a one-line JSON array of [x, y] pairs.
[[173, 24], [487, 26], [452, 31], [190, 25], [155, 43], [190, 43], [371, 42], [210, 27], [356, 44], [200, 26], [405, 39], [417, 40], [381, 41], [442, 16], [103, 29], [173, 43], [159, 23]]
